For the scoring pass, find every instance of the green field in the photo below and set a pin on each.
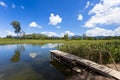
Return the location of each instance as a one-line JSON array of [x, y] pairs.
[[37, 41]]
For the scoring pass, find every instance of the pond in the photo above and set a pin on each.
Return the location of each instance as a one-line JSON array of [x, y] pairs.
[[32, 62], [28, 62]]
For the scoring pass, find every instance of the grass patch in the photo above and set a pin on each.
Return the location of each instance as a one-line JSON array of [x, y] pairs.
[[32, 41]]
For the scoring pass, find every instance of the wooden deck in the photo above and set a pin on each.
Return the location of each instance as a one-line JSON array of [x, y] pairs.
[[90, 64]]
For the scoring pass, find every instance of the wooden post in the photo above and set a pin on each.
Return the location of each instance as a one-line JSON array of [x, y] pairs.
[[100, 57], [113, 61], [51, 57], [88, 56], [59, 59]]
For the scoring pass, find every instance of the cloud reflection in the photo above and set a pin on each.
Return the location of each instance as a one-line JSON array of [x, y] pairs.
[[33, 55], [50, 45]]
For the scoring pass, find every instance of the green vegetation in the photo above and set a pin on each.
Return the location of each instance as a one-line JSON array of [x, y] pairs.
[[28, 41], [66, 37], [39, 41], [100, 51]]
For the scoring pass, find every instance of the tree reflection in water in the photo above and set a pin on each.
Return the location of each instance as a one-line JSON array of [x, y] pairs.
[[17, 53], [16, 56]]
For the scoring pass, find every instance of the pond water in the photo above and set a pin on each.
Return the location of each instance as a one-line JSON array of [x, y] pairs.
[[29, 62], [32, 62]]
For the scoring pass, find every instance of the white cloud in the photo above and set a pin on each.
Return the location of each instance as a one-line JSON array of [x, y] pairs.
[[2, 35], [80, 17], [67, 32], [87, 4], [13, 5], [22, 7], [39, 26], [10, 33], [104, 13], [117, 31], [34, 25], [54, 19], [50, 34], [3, 4], [58, 27], [103, 32]]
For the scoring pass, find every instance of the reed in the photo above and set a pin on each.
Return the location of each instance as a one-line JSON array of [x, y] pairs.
[[95, 51]]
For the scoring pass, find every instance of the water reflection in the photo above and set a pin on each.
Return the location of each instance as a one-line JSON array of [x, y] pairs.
[[50, 45], [62, 68], [31, 63], [33, 55], [16, 56], [21, 47], [17, 53]]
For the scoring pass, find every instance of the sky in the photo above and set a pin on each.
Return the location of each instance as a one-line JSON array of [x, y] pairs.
[[58, 17]]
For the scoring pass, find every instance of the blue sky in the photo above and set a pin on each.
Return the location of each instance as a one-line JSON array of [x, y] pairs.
[[58, 17]]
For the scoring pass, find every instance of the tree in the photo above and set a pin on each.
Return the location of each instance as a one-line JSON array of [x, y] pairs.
[[9, 36], [84, 36], [16, 26], [66, 37]]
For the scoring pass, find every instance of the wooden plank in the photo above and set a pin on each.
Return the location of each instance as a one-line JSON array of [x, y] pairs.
[[92, 65]]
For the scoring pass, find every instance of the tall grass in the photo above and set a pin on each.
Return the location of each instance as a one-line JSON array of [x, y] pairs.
[[98, 51]]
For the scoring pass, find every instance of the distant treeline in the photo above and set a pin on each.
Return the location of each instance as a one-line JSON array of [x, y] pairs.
[[34, 36], [65, 37]]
